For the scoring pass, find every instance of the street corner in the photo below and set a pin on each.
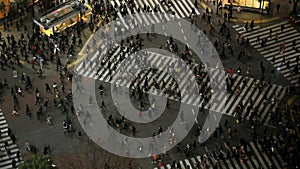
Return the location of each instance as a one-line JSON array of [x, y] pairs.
[[205, 6]]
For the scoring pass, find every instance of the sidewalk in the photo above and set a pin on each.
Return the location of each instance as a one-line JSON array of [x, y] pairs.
[[50, 69], [245, 16]]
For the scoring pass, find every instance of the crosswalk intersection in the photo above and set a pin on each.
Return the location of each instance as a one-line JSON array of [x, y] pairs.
[[5, 157], [254, 159], [179, 9], [248, 87], [279, 48]]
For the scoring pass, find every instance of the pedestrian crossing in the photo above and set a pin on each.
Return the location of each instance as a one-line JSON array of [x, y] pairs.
[[178, 9], [279, 48], [9, 152], [251, 158], [244, 90]]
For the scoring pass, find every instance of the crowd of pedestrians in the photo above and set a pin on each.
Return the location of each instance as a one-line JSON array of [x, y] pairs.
[[40, 51]]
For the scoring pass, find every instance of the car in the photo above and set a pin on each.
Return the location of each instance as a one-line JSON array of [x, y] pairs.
[[296, 18]]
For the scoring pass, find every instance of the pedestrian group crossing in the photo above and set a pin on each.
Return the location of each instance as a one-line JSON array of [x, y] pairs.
[[285, 61], [5, 158], [255, 159], [249, 90], [182, 9]]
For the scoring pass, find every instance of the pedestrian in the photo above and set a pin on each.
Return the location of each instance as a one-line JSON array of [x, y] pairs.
[[276, 37], [63, 88], [239, 70], [239, 9], [14, 112], [48, 89], [294, 43], [27, 110], [13, 138], [252, 24], [277, 8], [32, 64], [49, 119], [246, 26], [282, 28], [103, 105], [101, 88], [90, 100], [18, 156], [45, 151], [257, 39], [13, 163], [133, 129], [248, 70]]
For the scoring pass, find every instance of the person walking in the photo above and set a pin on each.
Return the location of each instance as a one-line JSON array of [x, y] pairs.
[[252, 24], [246, 26], [282, 28], [101, 88], [277, 8]]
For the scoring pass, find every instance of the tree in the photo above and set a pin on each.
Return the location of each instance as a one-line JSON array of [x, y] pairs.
[[295, 5], [37, 162]]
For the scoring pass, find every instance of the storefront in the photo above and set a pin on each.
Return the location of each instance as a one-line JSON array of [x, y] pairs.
[[4, 8], [61, 17], [249, 4]]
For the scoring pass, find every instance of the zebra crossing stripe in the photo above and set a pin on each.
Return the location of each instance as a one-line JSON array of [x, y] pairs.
[[194, 161], [276, 163], [231, 98], [271, 50], [269, 106], [265, 100], [181, 165], [280, 98], [177, 9], [155, 59], [255, 163], [157, 16], [257, 155], [242, 29], [229, 165], [182, 8], [264, 28], [273, 44], [120, 18], [235, 26], [234, 163], [240, 96], [190, 4], [268, 97], [264, 155], [248, 163], [266, 34], [188, 163], [275, 52]]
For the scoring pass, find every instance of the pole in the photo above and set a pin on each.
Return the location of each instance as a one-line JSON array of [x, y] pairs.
[[217, 11], [33, 6]]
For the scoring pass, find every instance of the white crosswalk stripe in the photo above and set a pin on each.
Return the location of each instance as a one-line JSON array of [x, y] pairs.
[[248, 91], [287, 62], [253, 160], [182, 9], [10, 152]]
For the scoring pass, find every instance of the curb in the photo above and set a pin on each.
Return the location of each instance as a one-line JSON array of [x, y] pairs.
[[260, 21]]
